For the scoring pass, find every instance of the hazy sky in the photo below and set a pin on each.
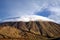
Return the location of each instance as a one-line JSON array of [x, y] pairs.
[[16, 8]]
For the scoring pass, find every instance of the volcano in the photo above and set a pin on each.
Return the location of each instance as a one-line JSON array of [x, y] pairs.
[[29, 28]]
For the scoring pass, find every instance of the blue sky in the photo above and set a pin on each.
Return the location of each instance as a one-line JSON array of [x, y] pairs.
[[15, 8], [44, 13]]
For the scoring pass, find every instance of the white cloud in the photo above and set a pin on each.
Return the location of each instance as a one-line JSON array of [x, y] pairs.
[[54, 7], [27, 18], [55, 14]]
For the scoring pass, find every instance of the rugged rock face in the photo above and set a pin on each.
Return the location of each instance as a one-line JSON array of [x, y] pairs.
[[32, 30]]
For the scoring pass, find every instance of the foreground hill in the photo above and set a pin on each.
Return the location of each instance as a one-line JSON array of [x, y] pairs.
[[32, 30]]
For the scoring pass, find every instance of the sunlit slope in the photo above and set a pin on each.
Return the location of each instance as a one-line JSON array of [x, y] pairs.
[[32, 30]]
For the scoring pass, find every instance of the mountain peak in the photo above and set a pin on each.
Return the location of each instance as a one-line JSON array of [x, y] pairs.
[[28, 18]]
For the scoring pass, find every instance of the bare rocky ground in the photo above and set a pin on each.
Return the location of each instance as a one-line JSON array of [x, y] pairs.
[[33, 30]]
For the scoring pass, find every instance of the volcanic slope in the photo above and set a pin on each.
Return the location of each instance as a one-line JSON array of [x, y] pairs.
[[30, 28]]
